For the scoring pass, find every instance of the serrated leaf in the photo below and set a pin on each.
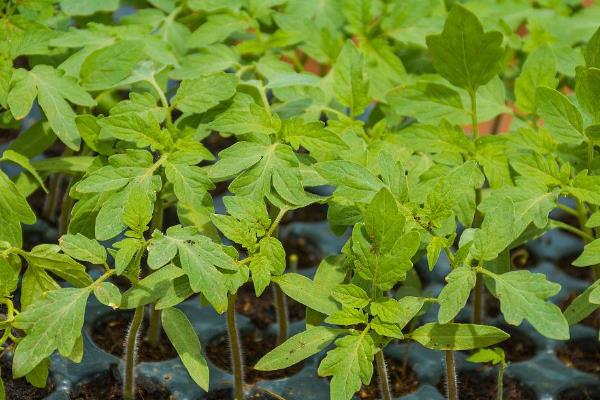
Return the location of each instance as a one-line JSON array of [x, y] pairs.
[[307, 292], [350, 84], [522, 295], [351, 295], [589, 256], [82, 248], [53, 323], [347, 316], [561, 118], [455, 293], [201, 94], [108, 294]]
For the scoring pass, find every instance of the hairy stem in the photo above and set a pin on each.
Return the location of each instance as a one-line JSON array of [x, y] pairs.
[[500, 395], [384, 381], [131, 352], [237, 363], [154, 327], [281, 309], [452, 390]]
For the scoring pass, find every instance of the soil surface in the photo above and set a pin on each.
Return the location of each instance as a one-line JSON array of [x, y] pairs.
[[227, 394], [108, 386], [587, 392], [519, 347], [565, 265], [261, 310], [401, 383], [475, 385], [110, 333], [582, 354], [20, 389], [308, 251], [255, 345]]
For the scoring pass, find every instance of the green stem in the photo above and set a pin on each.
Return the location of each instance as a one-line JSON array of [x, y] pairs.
[[281, 310], [163, 99], [65, 211], [479, 288], [584, 235], [500, 382], [452, 390], [384, 381], [131, 352], [474, 119], [237, 362], [154, 327]]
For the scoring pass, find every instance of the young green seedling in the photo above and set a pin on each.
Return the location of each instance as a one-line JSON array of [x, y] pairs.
[[494, 356]]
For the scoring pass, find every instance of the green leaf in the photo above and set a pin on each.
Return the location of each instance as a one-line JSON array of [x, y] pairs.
[[244, 116], [261, 273], [307, 292], [347, 316], [108, 294], [592, 50], [539, 69], [273, 251], [561, 118], [298, 348], [497, 231], [23, 161], [201, 94], [47, 256], [463, 53], [383, 221], [582, 305], [350, 295], [313, 136], [54, 322], [181, 333], [350, 84], [386, 329], [455, 294], [387, 309], [350, 363], [82, 248], [494, 356], [589, 256], [107, 67], [53, 90], [522, 295], [410, 306], [457, 336], [87, 7], [351, 180]]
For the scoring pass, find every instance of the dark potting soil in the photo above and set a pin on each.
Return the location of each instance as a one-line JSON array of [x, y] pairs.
[[255, 344], [592, 320], [110, 333], [401, 382], [227, 394], [108, 386], [581, 392], [8, 135], [20, 389], [261, 310], [565, 264], [475, 385], [307, 249], [313, 213], [522, 258], [583, 354], [519, 346]]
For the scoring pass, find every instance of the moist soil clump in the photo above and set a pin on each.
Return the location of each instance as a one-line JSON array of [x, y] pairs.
[[110, 334], [261, 310], [401, 382], [256, 344], [582, 354], [476, 385], [108, 386], [20, 389]]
